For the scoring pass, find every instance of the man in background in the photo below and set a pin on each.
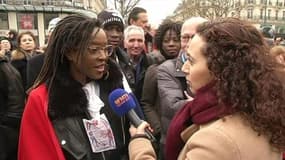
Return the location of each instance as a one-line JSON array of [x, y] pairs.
[[113, 25], [139, 17], [188, 30], [12, 36], [172, 88], [5, 48]]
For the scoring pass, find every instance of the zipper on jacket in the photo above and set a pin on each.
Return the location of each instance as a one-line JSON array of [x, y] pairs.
[[103, 155]]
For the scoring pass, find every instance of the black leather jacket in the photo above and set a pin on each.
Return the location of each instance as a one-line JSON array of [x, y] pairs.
[[122, 58], [12, 95], [12, 98], [67, 108]]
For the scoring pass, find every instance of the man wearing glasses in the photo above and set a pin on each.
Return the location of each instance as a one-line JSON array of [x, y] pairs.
[[189, 29], [172, 88]]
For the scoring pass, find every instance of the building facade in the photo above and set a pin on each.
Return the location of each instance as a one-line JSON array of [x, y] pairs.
[[34, 15], [259, 12], [263, 13]]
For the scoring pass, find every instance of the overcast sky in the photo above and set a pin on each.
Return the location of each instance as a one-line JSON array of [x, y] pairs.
[[159, 9]]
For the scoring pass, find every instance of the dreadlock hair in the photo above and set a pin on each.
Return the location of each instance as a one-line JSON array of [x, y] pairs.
[[167, 25], [72, 34]]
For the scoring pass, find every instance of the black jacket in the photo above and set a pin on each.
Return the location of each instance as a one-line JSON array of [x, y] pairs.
[[68, 106], [121, 57], [34, 66], [12, 98]]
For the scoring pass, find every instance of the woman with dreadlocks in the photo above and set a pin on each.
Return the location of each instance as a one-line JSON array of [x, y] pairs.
[[67, 115]]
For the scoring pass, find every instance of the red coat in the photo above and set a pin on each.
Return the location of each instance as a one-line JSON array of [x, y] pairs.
[[37, 136]]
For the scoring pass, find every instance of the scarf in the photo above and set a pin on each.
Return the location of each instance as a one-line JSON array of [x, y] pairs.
[[204, 108]]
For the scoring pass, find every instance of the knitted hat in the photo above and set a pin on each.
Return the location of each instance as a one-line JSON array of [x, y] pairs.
[[111, 16]]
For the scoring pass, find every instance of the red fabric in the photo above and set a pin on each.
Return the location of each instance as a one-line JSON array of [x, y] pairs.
[[38, 140], [204, 108]]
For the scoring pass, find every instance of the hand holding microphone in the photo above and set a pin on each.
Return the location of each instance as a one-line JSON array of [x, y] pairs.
[[140, 129], [123, 104]]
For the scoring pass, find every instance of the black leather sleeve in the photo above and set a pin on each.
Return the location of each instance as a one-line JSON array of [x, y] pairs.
[[13, 96]]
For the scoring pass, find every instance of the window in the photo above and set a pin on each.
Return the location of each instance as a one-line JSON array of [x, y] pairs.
[[27, 21], [249, 13], [276, 15], [249, 1], [3, 1], [27, 2], [261, 14], [48, 17], [269, 14], [283, 16], [278, 3], [49, 2], [4, 20]]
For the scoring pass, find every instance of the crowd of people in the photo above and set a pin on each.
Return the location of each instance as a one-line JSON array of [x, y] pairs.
[[207, 89]]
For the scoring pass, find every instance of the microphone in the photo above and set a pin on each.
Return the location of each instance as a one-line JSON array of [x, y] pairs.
[[123, 104]]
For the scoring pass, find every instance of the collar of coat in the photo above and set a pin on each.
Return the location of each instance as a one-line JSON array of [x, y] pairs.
[[68, 99]]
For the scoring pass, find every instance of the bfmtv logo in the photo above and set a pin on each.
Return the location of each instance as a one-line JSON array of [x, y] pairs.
[[121, 100]]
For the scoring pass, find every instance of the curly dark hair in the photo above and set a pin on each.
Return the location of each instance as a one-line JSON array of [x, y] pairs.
[[247, 76], [162, 29]]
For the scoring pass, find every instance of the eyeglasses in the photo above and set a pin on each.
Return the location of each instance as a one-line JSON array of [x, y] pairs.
[[187, 37], [184, 57], [108, 50]]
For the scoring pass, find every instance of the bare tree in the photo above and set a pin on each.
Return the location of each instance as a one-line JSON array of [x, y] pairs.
[[124, 6], [208, 8]]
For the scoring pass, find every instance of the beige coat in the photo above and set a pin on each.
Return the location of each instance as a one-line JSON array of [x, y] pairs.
[[229, 138]]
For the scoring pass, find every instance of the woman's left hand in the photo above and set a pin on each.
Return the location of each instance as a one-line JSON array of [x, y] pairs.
[[140, 129]]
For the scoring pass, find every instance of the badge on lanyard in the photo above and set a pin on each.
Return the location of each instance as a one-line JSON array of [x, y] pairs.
[[100, 134]]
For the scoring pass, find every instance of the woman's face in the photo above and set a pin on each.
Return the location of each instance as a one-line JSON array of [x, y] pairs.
[[171, 44], [27, 43], [92, 64], [196, 68], [5, 45]]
